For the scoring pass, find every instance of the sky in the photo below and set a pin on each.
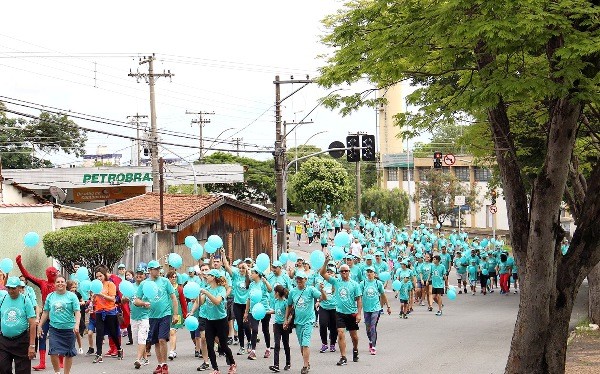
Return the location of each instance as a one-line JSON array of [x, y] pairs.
[[76, 56]]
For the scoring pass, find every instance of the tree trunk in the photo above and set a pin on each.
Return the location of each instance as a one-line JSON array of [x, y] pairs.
[[594, 294]]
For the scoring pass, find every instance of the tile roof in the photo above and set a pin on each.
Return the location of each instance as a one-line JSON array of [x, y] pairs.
[[25, 205], [177, 208]]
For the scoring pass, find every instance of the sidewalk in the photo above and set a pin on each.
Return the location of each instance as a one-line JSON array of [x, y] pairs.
[[583, 353]]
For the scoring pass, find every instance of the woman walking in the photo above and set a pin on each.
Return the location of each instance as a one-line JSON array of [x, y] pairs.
[[327, 316], [106, 314], [62, 309], [258, 282], [373, 296], [279, 333], [239, 284], [180, 312]]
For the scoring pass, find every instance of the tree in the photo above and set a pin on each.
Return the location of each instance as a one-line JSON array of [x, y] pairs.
[[437, 193], [102, 243], [390, 205], [528, 71], [320, 182], [49, 133]]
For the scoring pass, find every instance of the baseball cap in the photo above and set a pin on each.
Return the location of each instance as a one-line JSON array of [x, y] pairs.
[[21, 283], [140, 269], [153, 265], [301, 274], [236, 262], [121, 266], [215, 273], [277, 264], [13, 282], [370, 268], [369, 257], [191, 269], [256, 270]]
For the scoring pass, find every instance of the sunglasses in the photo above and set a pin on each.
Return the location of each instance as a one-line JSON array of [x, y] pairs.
[[344, 271]]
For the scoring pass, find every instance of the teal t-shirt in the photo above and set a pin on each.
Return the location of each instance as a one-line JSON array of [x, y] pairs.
[[161, 305], [445, 260], [240, 291], [503, 267], [405, 288], [14, 314], [304, 303], [401, 273], [472, 270], [345, 295], [437, 275], [279, 307], [61, 309], [356, 273], [29, 292], [138, 313], [425, 271], [212, 311], [380, 267], [458, 264], [329, 302], [371, 293]]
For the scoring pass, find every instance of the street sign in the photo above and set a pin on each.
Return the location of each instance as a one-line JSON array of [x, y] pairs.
[[58, 194], [460, 200], [493, 209], [336, 154], [449, 159]]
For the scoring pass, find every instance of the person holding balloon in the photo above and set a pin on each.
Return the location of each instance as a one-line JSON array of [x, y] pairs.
[[104, 300], [438, 282], [239, 283], [179, 313], [327, 316], [373, 297], [280, 335], [139, 322], [259, 290], [198, 311]]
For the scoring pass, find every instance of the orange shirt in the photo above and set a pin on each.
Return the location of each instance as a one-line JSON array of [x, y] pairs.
[[100, 303]]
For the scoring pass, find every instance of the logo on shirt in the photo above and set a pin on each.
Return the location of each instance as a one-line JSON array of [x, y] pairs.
[[344, 293], [371, 292], [301, 303], [59, 307], [242, 285], [11, 317]]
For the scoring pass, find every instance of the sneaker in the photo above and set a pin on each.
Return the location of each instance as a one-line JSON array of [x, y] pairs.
[[438, 313], [229, 341], [80, 350], [232, 369], [165, 369], [287, 367], [196, 354], [235, 340], [97, 359], [373, 351], [465, 289], [430, 309], [405, 316], [171, 355], [514, 292], [267, 353], [145, 362], [158, 370], [332, 348], [120, 354], [473, 293], [460, 292], [252, 355], [90, 351], [137, 364], [343, 361], [323, 348], [422, 303], [203, 367], [274, 368], [304, 370], [242, 351], [355, 356], [492, 291], [129, 343]]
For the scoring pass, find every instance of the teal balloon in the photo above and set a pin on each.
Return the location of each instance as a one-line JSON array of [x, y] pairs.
[[215, 241], [255, 295], [372, 214], [283, 258], [82, 274], [197, 251], [182, 278], [85, 296], [85, 285], [262, 262], [190, 241], [191, 323], [342, 239], [317, 259], [422, 226], [96, 286], [259, 312], [292, 256], [385, 276], [191, 290], [484, 271], [396, 285], [337, 253], [31, 239], [6, 265], [150, 289], [209, 248], [451, 294], [175, 260], [127, 289], [484, 243], [437, 226]]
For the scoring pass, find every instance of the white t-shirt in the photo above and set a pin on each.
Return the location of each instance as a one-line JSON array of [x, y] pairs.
[[356, 249]]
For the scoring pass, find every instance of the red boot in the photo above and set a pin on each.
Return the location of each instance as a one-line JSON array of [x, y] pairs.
[[42, 364], [61, 361]]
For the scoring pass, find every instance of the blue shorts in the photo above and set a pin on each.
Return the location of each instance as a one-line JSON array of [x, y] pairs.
[[92, 325], [159, 329], [304, 334]]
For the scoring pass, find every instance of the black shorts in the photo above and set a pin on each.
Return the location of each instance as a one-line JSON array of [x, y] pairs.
[[515, 276], [346, 321], [492, 274], [438, 291], [201, 324]]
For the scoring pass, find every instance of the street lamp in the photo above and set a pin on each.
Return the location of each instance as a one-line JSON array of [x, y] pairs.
[[305, 143], [217, 138]]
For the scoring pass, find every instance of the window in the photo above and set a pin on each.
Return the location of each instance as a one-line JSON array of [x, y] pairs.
[[482, 175], [392, 174], [406, 172], [423, 174], [462, 173]]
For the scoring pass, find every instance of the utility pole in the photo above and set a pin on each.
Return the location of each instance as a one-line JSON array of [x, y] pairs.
[[201, 122], [136, 120], [237, 145], [161, 181], [357, 171], [150, 79]]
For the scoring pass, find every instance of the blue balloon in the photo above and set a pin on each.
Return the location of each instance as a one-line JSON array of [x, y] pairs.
[[182, 278], [337, 253], [191, 323], [283, 258], [82, 274], [190, 241], [255, 295], [292, 256], [85, 285], [191, 290], [209, 248], [96, 286], [342, 239], [317, 259], [437, 226], [6, 265], [197, 251], [150, 289], [215, 241], [372, 214], [127, 289], [262, 262], [259, 312], [385, 276], [31, 239], [175, 260], [396, 285], [451, 294]]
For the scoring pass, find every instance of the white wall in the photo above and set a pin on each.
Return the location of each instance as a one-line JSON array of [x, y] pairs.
[[11, 195]]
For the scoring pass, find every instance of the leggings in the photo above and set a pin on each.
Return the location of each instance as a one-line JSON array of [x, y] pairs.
[[504, 280], [109, 326], [483, 279], [371, 321], [243, 327], [328, 321], [218, 328], [265, 329], [44, 336], [279, 335]]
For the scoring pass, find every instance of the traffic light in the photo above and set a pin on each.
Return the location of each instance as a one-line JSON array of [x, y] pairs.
[[493, 194], [352, 154], [368, 148], [146, 151], [437, 160]]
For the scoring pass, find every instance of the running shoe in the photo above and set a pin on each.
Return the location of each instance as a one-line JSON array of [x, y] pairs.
[[129, 343], [323, 348], [373, 351], [145, 362], [171, 355], [252, 355], [137, 364], [287, 367], [438, 313], [80, 350], [267, 353], [431, 309], [332, 348], [422, 303], [405, 316], [120, 354], [90, 351], [242, 351], [158, 370], [97, 359], [203, 367], [343, 361], [196, 354], [355, 356], [165, 369], [229, 341], [460, 292], [232, 369], [515, 293], [235, 340], [465, 289], [274, 368], [304, 370]]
